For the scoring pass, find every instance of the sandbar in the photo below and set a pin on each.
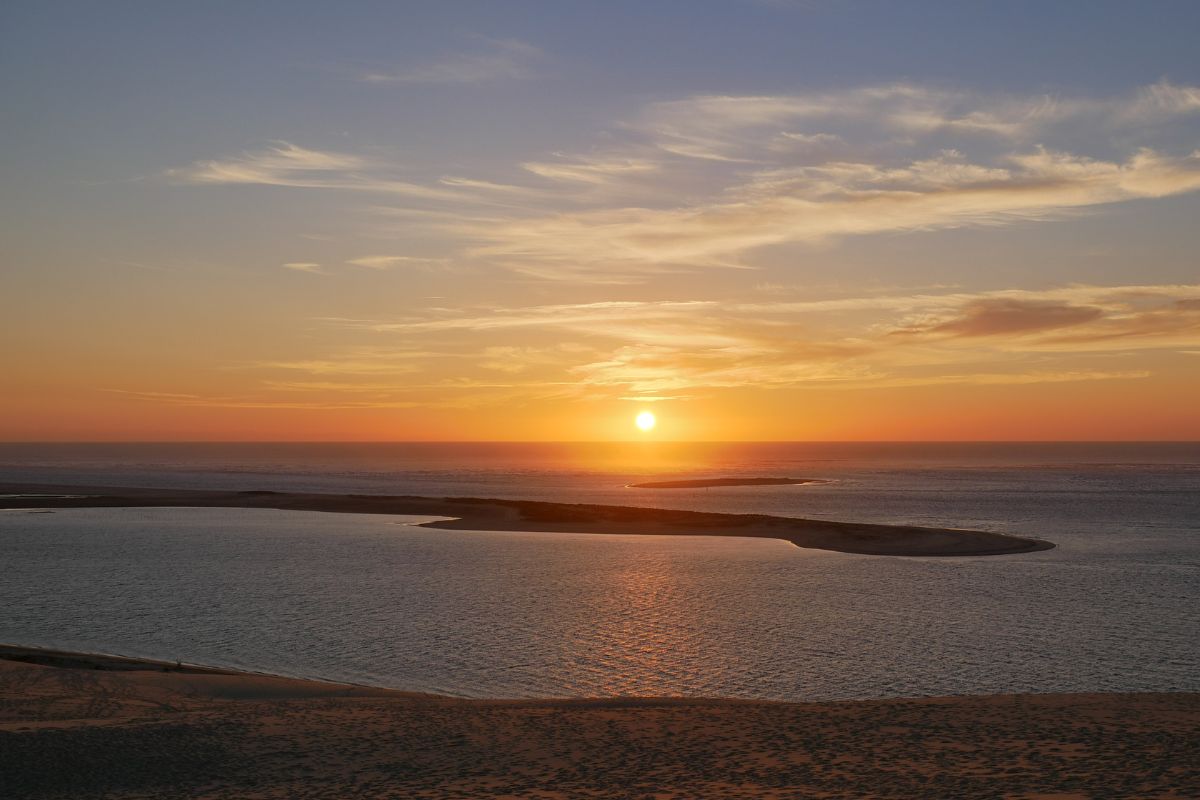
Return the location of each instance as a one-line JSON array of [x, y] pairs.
[[484, 514], [707, 483]]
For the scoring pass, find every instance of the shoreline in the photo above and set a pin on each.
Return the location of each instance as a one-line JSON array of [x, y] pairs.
[[484, 514], [187, 673], [136, 731], [106, 662], [89, 661]]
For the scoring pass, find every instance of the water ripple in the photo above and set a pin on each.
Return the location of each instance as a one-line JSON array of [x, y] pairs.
[[355, 597]]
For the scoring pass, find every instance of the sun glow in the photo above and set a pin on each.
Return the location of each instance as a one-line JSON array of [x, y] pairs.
[[645, 421]]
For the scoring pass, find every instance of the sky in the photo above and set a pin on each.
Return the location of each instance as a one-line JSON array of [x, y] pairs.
[[771, 220]]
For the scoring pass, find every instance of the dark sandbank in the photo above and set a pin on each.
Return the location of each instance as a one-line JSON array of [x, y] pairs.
[[64, 659], [705, 483], [78, 732], [477, 514]]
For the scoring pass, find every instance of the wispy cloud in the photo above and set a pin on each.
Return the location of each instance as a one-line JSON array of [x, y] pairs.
[[1005, 378], [678, 348], [755, 173], [495, 60], [725, 127], [591, 170], [708, 181], [389, 262], [305, 266], [732, 127], [829, 201], [648, 351], [357, 361], [260, 401], [280, 163], [1162, 100], [286, 164]]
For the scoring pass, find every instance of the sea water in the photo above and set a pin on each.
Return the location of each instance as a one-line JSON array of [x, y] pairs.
[[374, 600]]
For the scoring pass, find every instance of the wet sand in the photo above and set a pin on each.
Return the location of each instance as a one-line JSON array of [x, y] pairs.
[[95, 731], [479, 514]]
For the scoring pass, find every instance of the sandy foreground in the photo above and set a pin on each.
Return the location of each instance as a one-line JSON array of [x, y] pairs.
[[478, 514], [79, 726]]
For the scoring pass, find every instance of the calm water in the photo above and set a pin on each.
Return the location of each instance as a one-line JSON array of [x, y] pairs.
[[363, 598]]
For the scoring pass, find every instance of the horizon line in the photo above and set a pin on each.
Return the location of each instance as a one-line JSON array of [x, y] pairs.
[[584, 441]]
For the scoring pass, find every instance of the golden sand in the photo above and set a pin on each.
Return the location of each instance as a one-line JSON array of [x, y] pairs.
[[136, 731]]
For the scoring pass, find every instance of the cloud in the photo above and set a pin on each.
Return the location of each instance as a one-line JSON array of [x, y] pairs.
[[1009, 378], [719, 127], [681, 348], [789, 142], [658, 369], [369, 361], [513, 359], [565, 315], [280, 163], [751, 170], [832, 201], [1160, 101], [1175, 324], [388, 262], [305, 266], [617, 315], [704, 182], [489, 186], [591, 170], [286, 164], [1006, 317], [252, 401], [500, 59]]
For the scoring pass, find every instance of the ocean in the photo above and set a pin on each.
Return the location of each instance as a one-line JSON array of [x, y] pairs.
[[375, 600]]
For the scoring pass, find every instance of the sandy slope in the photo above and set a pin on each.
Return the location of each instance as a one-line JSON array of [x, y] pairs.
[[84, 733]]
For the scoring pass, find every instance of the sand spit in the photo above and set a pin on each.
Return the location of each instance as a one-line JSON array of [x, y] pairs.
[[75, 732], [710, 483], [479, 514]]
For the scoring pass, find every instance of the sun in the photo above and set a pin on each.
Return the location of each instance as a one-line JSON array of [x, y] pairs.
[[645, 421]]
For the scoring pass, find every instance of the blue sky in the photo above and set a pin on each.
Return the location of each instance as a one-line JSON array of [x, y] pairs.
[[174, 78]]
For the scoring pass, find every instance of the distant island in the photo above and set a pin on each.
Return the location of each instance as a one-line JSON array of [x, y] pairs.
[[704, 483], [495, 514]]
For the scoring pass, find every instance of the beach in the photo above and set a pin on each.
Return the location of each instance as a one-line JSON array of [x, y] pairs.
[[481, 514], [96, 727]]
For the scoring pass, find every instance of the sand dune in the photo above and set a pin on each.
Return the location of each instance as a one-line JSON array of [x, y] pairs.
[[75, 732], [480, 514]]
